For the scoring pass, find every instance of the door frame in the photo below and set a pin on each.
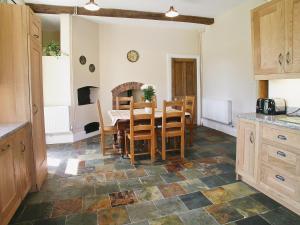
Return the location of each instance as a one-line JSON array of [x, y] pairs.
[[198, 72]]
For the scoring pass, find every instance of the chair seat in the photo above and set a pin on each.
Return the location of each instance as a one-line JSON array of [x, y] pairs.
[[171, 132], [141, 135]]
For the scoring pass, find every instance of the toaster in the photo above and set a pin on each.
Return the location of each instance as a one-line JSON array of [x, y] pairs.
[[260, 105], [276, 106]]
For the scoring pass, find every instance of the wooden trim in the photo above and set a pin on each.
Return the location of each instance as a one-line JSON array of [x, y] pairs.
[[263, 89], [121, 13], [277, 76]]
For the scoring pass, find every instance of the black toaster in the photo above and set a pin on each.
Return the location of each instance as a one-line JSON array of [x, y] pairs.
[[260, 105], [276, 106]]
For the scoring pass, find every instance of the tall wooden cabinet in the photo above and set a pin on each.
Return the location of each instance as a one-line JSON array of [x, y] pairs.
[[276, 40], [21, 93]]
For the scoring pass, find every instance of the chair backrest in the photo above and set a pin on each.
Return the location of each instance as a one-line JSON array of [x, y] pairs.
[[190, 106], [154, 99], [173, 116], [123, 103], [100, 115], [142, 121]]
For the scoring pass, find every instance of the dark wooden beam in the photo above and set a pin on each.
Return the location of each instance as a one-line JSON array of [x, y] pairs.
[[54, 9]]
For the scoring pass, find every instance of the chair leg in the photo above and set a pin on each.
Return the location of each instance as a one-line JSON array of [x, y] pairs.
[[152, 149], [182, 147], [126, 146], [132, 152], [163, 148], [102, 139], [191, 136]]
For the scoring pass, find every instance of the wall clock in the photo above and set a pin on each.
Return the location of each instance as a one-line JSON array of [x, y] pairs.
[[133, 56]]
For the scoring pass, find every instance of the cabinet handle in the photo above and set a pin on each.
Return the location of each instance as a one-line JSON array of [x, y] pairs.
[[35, 109], [281, 178], [5, 148], [282, 137], [280, 59], [252, 138], [282, 154], [288, 59], [36, 36], [23, 149]]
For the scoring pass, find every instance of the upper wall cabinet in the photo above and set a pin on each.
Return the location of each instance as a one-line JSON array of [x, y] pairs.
[[276, 40]]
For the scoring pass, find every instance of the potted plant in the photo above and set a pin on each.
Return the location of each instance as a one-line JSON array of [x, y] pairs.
[[149, 92], [52, 49]]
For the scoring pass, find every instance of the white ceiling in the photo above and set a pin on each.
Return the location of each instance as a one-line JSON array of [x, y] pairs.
[[207, 8]]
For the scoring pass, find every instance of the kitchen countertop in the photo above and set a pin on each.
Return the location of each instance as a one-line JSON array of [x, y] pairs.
[[279, 120], [9, 128]]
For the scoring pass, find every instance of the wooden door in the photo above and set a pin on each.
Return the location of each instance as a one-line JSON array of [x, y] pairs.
[[184, 79], [246, 139], [23, 160], [292, 20], [9, 198], [37, 105], [268, 34]]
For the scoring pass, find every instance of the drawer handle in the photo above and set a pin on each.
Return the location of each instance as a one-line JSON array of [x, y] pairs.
[[281, 178], [282, 137], [280, 59], [5, 148], [282, 154], [36, 36]]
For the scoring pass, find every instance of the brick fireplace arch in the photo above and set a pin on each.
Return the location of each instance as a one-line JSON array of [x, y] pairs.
[[122, 88]]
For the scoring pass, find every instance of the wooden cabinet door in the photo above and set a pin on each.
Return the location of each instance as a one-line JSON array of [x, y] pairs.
[[37, 105], [246, 139], [292, 20], [24, 160], [268, 37], [9, 198]]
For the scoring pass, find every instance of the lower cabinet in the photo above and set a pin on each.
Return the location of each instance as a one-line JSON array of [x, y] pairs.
[[246, 150], [268, 158], [15, 171]]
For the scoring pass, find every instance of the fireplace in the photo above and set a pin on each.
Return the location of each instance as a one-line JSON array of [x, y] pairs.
[[127, 90], [87, 95]]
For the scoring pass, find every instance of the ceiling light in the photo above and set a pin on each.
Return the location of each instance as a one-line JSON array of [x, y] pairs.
[[172, 12], [91, 6]]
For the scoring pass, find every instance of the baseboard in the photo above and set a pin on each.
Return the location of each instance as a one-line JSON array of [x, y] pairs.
[[69, 137], [227, 129]]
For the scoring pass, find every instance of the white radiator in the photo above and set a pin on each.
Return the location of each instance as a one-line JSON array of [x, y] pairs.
[[217, 110], [57, 119]]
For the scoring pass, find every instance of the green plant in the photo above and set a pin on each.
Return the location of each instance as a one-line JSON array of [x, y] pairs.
[[149, 92], [52, 49]]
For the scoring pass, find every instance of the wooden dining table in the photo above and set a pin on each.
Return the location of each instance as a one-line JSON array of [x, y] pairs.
[[121, 119]]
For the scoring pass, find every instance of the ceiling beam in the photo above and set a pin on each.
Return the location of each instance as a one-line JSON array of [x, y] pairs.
[[121, 13]]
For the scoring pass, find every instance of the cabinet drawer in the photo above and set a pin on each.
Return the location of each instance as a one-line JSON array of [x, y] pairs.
[[281, 158], [280, 182], [281, 136]]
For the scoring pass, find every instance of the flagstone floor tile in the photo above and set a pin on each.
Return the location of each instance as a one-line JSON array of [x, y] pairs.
[[197, 216], [167, 220], [224, 213], [122, 198], [67, 207], [171, 190], [150, 193], [113, 216], [141, 211], [95, 203], [195, 200], [170, 206]]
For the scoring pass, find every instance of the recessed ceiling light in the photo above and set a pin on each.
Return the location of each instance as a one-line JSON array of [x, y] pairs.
[[91, 6], [172, 12]]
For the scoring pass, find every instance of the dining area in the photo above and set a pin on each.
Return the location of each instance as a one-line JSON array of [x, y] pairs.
[[140, 129]]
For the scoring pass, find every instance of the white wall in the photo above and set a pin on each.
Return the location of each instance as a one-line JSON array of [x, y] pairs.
[[227, 62], [153, 45], [287, 89], [85, 41]]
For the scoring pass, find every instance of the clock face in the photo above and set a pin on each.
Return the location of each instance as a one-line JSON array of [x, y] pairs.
[[133, 56]]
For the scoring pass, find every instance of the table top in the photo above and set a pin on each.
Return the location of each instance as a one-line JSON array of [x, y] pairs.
[[117, 115]]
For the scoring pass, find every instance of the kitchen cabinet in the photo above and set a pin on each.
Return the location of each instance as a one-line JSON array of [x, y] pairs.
[[9, 198], [21, 83], [276, 40], [270, 162], [246, 150]]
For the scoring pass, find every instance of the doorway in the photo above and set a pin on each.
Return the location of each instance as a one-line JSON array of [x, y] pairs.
[[184, 79]]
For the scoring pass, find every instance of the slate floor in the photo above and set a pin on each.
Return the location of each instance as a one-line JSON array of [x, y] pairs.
[[84, 188]]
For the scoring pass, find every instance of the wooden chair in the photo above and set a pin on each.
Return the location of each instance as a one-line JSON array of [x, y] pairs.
[[123, 103], [142, 128], [189, 122], [104, 130], [173, 124]]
